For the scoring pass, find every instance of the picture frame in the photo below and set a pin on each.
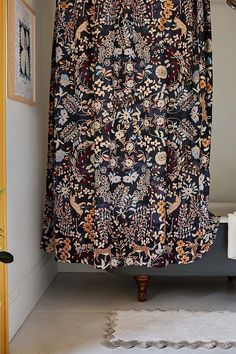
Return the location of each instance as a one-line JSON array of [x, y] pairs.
[[21, 52]]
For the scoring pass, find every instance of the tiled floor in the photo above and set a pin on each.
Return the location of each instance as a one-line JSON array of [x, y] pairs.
[[71, 316]]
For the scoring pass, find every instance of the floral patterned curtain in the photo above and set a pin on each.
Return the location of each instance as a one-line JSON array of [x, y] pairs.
[[130, 133]]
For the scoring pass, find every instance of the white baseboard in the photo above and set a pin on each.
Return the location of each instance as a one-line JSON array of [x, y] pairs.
[[26, 295]]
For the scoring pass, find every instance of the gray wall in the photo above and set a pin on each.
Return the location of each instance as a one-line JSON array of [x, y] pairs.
[[32, 270], [223, 158]]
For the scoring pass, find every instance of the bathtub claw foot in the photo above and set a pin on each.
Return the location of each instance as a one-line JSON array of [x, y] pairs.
[[142, 283]]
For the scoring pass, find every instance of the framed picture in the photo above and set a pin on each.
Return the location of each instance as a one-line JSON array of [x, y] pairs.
[[21, 52]]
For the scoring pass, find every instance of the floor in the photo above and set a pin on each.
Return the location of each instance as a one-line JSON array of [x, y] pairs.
[[71, 316]]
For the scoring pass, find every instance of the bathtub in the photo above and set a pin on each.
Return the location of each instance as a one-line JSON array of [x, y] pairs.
[[213, 263]]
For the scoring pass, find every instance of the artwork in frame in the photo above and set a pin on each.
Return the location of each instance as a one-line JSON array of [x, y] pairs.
[[21, 52]]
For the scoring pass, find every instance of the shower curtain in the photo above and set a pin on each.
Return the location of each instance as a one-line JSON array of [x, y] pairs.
[[130, 133]]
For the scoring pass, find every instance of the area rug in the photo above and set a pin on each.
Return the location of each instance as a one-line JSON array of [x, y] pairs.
[[171, 328]]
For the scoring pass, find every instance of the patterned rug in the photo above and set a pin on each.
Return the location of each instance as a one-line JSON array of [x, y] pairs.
[[171, 328]]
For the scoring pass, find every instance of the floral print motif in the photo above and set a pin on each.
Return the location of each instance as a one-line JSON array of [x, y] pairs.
[[130, 133]]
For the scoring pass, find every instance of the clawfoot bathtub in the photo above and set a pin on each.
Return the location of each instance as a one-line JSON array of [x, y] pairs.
[[213, 263]]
